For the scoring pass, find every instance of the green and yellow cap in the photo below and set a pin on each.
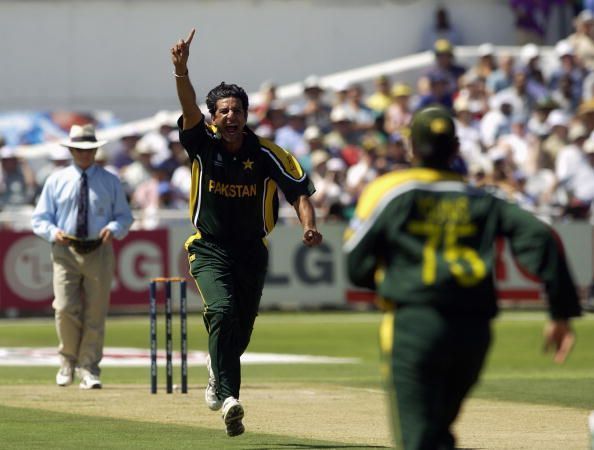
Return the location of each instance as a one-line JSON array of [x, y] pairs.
[[433, 133]]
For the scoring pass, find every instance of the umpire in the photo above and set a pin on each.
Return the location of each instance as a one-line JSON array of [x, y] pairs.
[[233, 206], [424, 241], [81, 209]]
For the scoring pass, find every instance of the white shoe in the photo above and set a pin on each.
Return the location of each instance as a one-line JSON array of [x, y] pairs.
[[232, 415], [88, 380], [210, 393], [65, 376]]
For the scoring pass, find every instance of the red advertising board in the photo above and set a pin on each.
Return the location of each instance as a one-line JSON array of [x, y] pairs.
[[26, 278]]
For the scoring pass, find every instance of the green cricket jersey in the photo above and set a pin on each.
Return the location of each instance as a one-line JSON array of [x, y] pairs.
[[425, 236], [234, 196]]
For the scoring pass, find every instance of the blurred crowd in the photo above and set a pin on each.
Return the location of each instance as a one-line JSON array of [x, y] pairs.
[[525, 130]]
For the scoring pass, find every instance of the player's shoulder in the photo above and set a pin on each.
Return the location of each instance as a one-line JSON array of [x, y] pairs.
[[394, 184], [269, 147], [281, 158]]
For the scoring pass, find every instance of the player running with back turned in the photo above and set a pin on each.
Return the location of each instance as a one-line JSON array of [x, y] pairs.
[[423, 239]]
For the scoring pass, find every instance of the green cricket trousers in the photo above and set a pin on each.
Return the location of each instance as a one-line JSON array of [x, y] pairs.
[[431, 360], [230, 278]]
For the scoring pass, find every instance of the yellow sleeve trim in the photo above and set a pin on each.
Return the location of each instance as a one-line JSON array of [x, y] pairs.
[[286, 160]]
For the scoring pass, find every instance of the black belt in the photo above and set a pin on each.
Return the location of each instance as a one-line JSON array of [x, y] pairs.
[[83, 246]]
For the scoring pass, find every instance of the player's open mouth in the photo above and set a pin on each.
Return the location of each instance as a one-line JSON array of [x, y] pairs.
[[231, 129]]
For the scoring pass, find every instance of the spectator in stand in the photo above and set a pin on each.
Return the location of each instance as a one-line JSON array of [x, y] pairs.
[[342, 133], [275, 117], [158, 139], [522, 146], [316, 110], [17, 181], [564, 95], [530, 64], [558, 138], [177, 154], [538, 121], [580, 185], [340, 91], [569, 69], [521, 98], [397, 154], [445, 65], [439, 94], [571, 157], [588, 87], [541, 186], [140, 170], [362, 116], [153, 195], [473, 88], [582, 40], [361, 173], [503, 170], [497, 121], [319, 158], [441, 28], [330, 192], [501, 78], [398, 114], [290, 137], [486, 63], [146, 194], [266, 98], [181, 179], [123, 153], [585, 114], [467, 132], [380, 99], [102, 159], [59, 158], [521, 196], [314, 140]]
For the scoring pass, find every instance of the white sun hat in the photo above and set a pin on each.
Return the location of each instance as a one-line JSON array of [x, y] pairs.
[[82, 137]]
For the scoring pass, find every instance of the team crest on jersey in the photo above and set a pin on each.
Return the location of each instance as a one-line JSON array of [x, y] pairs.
[[248, 164], [219, 160]]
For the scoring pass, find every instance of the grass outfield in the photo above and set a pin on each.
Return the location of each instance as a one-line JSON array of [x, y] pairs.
[[36, 414]]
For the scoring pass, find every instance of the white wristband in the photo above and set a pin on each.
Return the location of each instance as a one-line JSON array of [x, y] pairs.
[[176, 75]]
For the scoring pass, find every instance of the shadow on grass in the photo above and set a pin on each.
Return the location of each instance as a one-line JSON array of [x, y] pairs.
[[316, 446]]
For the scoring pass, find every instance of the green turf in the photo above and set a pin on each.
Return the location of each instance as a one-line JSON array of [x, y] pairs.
[[24, 428], [517, 370]]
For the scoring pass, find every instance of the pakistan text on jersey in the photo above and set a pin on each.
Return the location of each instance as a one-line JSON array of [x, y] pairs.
[[232, 190]]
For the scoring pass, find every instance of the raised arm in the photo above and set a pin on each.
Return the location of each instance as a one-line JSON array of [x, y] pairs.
[[307, 217], [185, 91]]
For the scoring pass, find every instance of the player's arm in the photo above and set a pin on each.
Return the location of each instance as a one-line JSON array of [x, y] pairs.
[[185, 91], [307, 216], [537, 249], [361, 240]]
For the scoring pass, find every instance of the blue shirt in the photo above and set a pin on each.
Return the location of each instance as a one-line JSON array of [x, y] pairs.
[[57, 205]]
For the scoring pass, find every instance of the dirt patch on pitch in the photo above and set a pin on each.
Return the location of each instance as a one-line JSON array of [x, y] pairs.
[[334, 413]]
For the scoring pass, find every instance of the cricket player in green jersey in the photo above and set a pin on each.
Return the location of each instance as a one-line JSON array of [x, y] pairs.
[[233, 207], [423, 239]]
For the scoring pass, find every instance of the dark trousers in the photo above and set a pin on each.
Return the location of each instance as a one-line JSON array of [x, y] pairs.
[[431, 360], [230, 279]]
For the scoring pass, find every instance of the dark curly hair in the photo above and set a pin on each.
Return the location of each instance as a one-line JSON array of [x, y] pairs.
[[225, 90]]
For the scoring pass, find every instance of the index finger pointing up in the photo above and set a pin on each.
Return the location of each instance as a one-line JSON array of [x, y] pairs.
[[190, 36]]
